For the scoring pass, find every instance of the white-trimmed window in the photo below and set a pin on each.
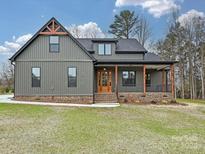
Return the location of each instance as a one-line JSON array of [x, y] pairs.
[[36, 76], [104, 49], [54, 45], [72, 77]]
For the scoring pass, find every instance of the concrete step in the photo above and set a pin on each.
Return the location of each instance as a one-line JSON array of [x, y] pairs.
[[105, 98]]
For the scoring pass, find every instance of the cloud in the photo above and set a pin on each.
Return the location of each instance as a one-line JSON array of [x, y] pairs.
[[88, 30], [3, 49], [23, 39], [155, 7], [188, 16], [9, 47]]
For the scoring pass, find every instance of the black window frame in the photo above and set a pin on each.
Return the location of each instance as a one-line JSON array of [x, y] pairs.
[[148, 81], [70, 86], [124, 84], [104, 45], [32, 82], [50, 44]]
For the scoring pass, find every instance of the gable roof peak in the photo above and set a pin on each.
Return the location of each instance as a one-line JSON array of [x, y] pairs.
[[52, 27]]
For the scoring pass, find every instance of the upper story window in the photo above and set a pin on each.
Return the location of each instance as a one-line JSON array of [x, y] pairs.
[[54, 44], [36, 77], [128, 78], [72, 77], [104, 49]]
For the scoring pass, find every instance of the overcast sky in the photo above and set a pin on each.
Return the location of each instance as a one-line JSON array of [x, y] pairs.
[[20, 19]]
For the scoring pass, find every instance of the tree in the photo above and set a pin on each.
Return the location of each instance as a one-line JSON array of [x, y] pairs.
[[125, 25], [185, 42], [7, 74], [143, 32], [88, 30]]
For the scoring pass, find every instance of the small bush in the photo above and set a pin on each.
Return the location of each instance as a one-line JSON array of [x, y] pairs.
[[6, 90]]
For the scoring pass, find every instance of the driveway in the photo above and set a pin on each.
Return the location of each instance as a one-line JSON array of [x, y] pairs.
[[8, 100]]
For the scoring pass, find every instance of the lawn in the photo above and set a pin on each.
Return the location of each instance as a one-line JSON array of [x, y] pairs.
[[126, 129], [197, 101]]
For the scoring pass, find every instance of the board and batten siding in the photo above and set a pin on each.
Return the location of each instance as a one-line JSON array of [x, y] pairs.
[[54, 69], [114, 55], [38, 50]]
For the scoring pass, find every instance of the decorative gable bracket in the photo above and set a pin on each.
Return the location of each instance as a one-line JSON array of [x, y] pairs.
[[53, 28]]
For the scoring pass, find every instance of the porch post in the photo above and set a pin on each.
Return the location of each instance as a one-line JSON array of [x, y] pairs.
[[163, 87], [144, 78], [172, 78], [116, 80]]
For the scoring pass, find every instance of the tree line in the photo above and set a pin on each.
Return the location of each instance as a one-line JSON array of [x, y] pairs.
[[185, 42]]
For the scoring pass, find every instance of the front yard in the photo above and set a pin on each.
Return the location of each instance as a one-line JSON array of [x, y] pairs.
[[126, 129]]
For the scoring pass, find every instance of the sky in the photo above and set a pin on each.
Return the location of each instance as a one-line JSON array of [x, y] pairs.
[[20, 19]]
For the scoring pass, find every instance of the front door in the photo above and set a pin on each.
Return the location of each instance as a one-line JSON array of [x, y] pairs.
[[104, 78]]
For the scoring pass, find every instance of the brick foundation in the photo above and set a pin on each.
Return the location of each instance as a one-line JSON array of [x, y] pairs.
[[57, 99], [151, 97]]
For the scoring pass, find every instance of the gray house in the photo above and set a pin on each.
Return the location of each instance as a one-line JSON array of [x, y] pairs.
[[55, 66]]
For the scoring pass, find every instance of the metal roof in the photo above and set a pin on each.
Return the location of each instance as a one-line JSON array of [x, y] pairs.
[[123, 46], [149, 58]]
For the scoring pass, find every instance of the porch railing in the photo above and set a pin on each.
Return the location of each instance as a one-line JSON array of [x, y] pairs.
[[149, 88], [158, 88]]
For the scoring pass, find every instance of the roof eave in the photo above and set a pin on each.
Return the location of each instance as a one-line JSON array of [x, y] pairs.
[[137, 62], [130, 52]]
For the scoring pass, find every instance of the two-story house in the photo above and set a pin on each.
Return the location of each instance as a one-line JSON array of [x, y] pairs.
[[55, 66]]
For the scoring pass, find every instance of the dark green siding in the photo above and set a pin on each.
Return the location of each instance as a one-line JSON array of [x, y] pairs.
[[53, 66]]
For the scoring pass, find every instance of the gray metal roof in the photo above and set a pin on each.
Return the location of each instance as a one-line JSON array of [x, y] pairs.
[[151, 57], [129, 45], [122, 45], [132, 61]]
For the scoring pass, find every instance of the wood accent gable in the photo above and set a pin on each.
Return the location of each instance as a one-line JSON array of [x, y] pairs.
[[53, 28], [57, 31]]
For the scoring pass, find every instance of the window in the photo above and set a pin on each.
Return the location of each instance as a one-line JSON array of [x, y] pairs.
[[104, 49], [36, 77], [72, 77], [128, 78], [108, 49], [148, 79], [54, 44]]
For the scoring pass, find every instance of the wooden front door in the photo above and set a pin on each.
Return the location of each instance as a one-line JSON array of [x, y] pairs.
[[104, 78]]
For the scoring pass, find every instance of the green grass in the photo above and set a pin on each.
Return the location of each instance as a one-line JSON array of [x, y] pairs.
[[197, 101], [126, 129]]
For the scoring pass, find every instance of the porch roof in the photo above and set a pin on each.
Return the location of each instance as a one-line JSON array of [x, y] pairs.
[[134, 61]]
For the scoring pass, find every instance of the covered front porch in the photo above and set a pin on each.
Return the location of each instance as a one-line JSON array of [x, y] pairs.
[[112, 82]]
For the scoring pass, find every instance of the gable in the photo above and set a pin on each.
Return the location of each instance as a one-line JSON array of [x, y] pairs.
[[38, 50], [52, 27]]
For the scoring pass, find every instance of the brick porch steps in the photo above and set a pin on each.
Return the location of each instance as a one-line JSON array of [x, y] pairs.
[[105, 98]]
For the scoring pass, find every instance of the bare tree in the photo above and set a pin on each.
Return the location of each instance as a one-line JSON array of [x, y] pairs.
[[90, 30], [74, 30], [7, 74], [202, 71], [143, 31]]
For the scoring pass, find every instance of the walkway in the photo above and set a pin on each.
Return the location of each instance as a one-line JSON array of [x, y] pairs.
[[8, 100]]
